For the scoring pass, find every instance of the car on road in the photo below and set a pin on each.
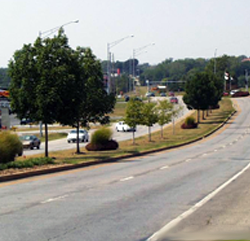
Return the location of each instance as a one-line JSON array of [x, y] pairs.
[[26, 121], [163, 94], [30, 141], [171, 93], [150, 94], [83, 136], [174, 100], [122, 126], [126, 98]]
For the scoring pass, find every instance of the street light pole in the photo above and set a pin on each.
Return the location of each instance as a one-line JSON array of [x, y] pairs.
[[53, 30], [109, 46], [137, 52]]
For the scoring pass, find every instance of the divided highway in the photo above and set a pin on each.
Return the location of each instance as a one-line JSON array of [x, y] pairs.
[[129, 200]]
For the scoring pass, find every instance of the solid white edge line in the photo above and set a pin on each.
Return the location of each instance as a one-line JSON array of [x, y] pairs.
[[175, 221], [126, 179]]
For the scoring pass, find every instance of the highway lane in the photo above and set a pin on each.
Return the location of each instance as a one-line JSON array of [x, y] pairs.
[[129, 200]]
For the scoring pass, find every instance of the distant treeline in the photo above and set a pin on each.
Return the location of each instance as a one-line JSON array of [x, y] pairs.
[[169, 70], [182, 70]]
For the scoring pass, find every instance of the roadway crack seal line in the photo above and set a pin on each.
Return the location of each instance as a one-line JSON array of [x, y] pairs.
[[184, 215], [54, 199]]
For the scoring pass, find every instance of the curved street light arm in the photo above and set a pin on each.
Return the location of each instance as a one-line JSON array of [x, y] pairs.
[[53, 30], [118, 41]]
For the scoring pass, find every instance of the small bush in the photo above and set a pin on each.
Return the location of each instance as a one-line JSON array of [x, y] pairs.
[[101, 141], [189, 120], [29, 163], [10, 146], [101, 136], [108, 146], [189, 123]]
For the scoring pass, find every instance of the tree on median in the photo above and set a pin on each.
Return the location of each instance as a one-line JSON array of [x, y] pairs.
[[133, 114], [90, 103], [164, 109], [40, 77], [149, 116]]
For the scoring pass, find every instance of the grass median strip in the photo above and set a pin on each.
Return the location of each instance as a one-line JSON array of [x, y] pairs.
[[180, 137]]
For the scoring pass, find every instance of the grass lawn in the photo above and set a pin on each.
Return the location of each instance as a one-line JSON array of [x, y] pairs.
[[181, 136]]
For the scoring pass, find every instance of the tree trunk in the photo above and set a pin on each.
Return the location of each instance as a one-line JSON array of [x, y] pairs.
[[133, 137], [46, 140], [173, 126], [149, 134], [77, 139], [198, 116], [203, 115], [161, 132]]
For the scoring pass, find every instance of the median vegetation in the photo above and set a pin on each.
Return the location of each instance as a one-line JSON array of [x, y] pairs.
[[171, 139]]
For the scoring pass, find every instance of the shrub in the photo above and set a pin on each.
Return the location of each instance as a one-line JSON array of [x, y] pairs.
[[189, 123], [108, 146], [101, 141], [29, 163], [10, 146], [101, 136], [189, 120]]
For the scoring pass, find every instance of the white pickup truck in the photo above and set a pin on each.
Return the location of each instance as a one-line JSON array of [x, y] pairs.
[[122, 126]]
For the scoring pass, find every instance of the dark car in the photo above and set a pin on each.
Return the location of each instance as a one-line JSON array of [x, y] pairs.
[[30, 141], [174, 100], [26, 121], [126, 98], [138, 99], [163, 94]]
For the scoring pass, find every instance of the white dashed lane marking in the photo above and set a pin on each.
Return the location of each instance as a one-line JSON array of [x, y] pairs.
[[126, 179]]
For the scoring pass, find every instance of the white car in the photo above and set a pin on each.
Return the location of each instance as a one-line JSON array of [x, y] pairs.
[[83, 136], [122, 126]]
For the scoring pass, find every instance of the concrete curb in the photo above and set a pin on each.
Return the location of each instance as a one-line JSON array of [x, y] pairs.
[[111, 160]]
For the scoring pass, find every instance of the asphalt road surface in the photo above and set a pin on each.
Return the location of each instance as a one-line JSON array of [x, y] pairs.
[[130, 200]]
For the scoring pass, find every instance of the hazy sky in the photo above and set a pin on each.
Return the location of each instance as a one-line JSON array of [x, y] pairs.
[[179, 28]]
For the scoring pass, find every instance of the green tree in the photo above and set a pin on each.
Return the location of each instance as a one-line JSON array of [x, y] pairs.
[[149, 116], [164, 109], [200, 92], [40, 75], [133, 114], [52, 82], [91, 101]]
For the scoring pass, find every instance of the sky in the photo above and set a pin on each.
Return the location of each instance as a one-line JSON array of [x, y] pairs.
[[162, 29]]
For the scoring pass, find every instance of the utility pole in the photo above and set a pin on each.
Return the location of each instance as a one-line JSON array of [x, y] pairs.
[[246, 79]]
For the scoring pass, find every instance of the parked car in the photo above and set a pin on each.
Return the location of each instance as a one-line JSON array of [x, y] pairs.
[[138, 99], [163, 94], [149, 94], [171, 93], [26, 121], [83, 136], [174, 100], [122, 126], [30, 141], [126, 98]]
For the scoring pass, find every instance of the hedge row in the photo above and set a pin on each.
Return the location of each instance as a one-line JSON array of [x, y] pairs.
[[29, 163]]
